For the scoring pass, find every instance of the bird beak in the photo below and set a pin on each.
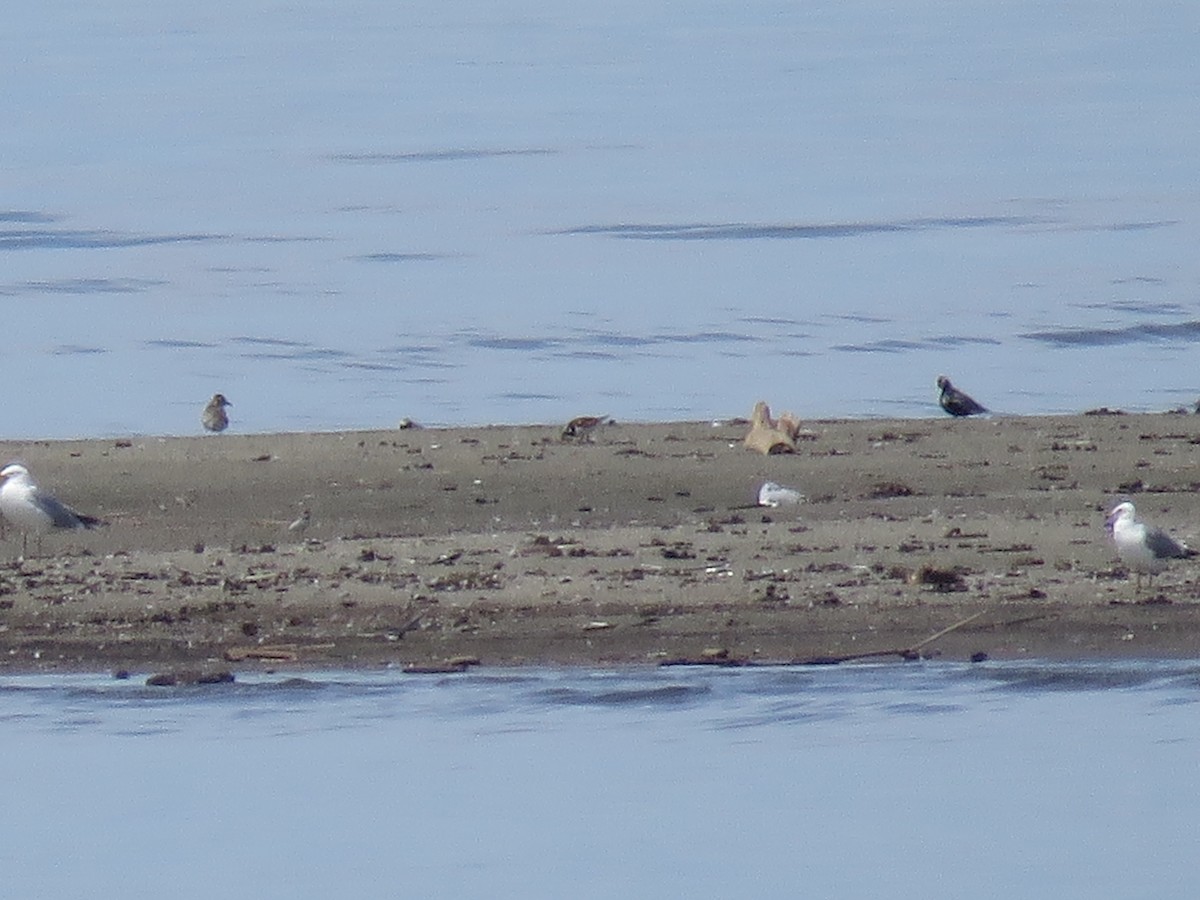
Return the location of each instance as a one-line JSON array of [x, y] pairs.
[[1108, 523]]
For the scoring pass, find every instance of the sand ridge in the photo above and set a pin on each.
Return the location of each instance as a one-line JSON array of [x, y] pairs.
[[510, 545]]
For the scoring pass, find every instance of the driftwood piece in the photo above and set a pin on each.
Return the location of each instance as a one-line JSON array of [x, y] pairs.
[[905, 653], [446, 668], [189, 678], [264, 652], [451, 666], [770, 436]]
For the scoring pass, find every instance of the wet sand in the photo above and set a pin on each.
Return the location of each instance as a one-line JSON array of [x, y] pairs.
[[508, 545]]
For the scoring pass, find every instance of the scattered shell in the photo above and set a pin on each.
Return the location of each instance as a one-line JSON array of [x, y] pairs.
[[775, 495]]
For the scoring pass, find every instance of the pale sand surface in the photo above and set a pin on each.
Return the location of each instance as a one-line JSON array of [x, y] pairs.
[[509, 545]]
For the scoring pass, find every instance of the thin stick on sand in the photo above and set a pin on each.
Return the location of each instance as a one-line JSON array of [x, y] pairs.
[[907, 653]]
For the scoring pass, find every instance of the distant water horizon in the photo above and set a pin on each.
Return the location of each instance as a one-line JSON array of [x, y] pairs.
[[502, 213]]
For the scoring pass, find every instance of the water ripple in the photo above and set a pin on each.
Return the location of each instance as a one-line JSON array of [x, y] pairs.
[[269, 342], [887, 346], [70, 239], [513, 343], [1070, 678], [652, 695], [1188, 332], [81, 286], [77, 350], [895, 345], [400, 257], [454, 154], [708, 231], [26, 217], [1137, 307], [170, 344]]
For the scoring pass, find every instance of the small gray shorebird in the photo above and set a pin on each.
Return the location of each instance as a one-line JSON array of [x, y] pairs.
[[300, 524], [32, 509], [1143, 548], [214, 417], [955, 402]]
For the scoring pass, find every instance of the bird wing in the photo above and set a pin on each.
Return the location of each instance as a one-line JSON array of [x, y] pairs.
[[1163, 546], [61, 515], [957, 403]]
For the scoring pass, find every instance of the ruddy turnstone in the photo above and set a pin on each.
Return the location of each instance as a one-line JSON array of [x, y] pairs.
[[583, 427], [33, 510], [1144, 548], [214, 417], [955, 401]]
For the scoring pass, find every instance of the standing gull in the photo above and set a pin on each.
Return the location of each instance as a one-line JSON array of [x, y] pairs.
[[955, 401], [214, 417], [31, 509], [1143, 548]]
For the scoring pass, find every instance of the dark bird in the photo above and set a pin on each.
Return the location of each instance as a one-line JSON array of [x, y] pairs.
[[214, 417], [955, 401]]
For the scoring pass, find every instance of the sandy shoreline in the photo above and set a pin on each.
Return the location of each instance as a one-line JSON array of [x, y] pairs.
[[511, 546]]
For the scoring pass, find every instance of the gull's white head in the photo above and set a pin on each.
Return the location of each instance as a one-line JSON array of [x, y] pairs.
[[1120, 513], [14, 470]]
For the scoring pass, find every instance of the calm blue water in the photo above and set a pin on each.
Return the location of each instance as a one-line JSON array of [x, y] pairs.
[[917, 780], [344, 214]]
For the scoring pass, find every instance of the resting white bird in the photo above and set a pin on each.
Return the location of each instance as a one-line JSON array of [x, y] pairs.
[[31, 509], [1144, 548]]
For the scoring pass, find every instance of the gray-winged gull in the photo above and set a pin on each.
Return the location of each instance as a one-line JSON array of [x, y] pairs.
[[31, 509], [1144, 548]]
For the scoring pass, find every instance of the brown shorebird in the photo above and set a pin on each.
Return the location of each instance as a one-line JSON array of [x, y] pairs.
[[214, 417], [955, 401], [583, 427]]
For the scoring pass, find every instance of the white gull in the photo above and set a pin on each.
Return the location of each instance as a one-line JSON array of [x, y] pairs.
[[1144, 548], [33, 510]]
